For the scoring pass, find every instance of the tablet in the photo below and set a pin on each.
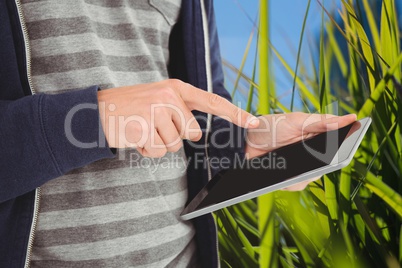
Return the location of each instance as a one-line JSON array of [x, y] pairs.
[[283, 167]]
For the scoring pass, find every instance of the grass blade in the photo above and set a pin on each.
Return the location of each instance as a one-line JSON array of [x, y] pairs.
[[298, 53]]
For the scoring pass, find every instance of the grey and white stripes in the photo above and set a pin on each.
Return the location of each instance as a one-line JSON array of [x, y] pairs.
[[112, 43], [112, 213]]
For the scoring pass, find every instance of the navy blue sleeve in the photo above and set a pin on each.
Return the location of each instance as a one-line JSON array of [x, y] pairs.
[[229, 138], [44, 136]]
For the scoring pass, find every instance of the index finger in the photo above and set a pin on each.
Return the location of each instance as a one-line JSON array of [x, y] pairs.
[[197, 99]]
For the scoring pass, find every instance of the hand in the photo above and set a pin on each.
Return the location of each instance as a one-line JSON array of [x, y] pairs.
[[278, 130], [155, 117]]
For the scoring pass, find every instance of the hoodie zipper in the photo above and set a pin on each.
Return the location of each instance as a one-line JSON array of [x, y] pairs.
[[33, 228], [27, 45], [29, 77], [209, 118]]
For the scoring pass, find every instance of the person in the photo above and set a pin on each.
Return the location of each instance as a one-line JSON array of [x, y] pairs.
[[90, 91]]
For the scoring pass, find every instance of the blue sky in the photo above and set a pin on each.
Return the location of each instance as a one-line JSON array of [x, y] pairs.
[[234, 27]]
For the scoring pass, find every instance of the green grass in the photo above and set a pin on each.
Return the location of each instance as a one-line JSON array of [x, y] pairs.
[[349, 218]]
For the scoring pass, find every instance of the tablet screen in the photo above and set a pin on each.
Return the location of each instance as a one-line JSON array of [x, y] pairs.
[[274, 167]]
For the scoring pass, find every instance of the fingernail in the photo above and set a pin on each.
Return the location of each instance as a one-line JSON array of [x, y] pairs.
[[347, 115], [253, 121]]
